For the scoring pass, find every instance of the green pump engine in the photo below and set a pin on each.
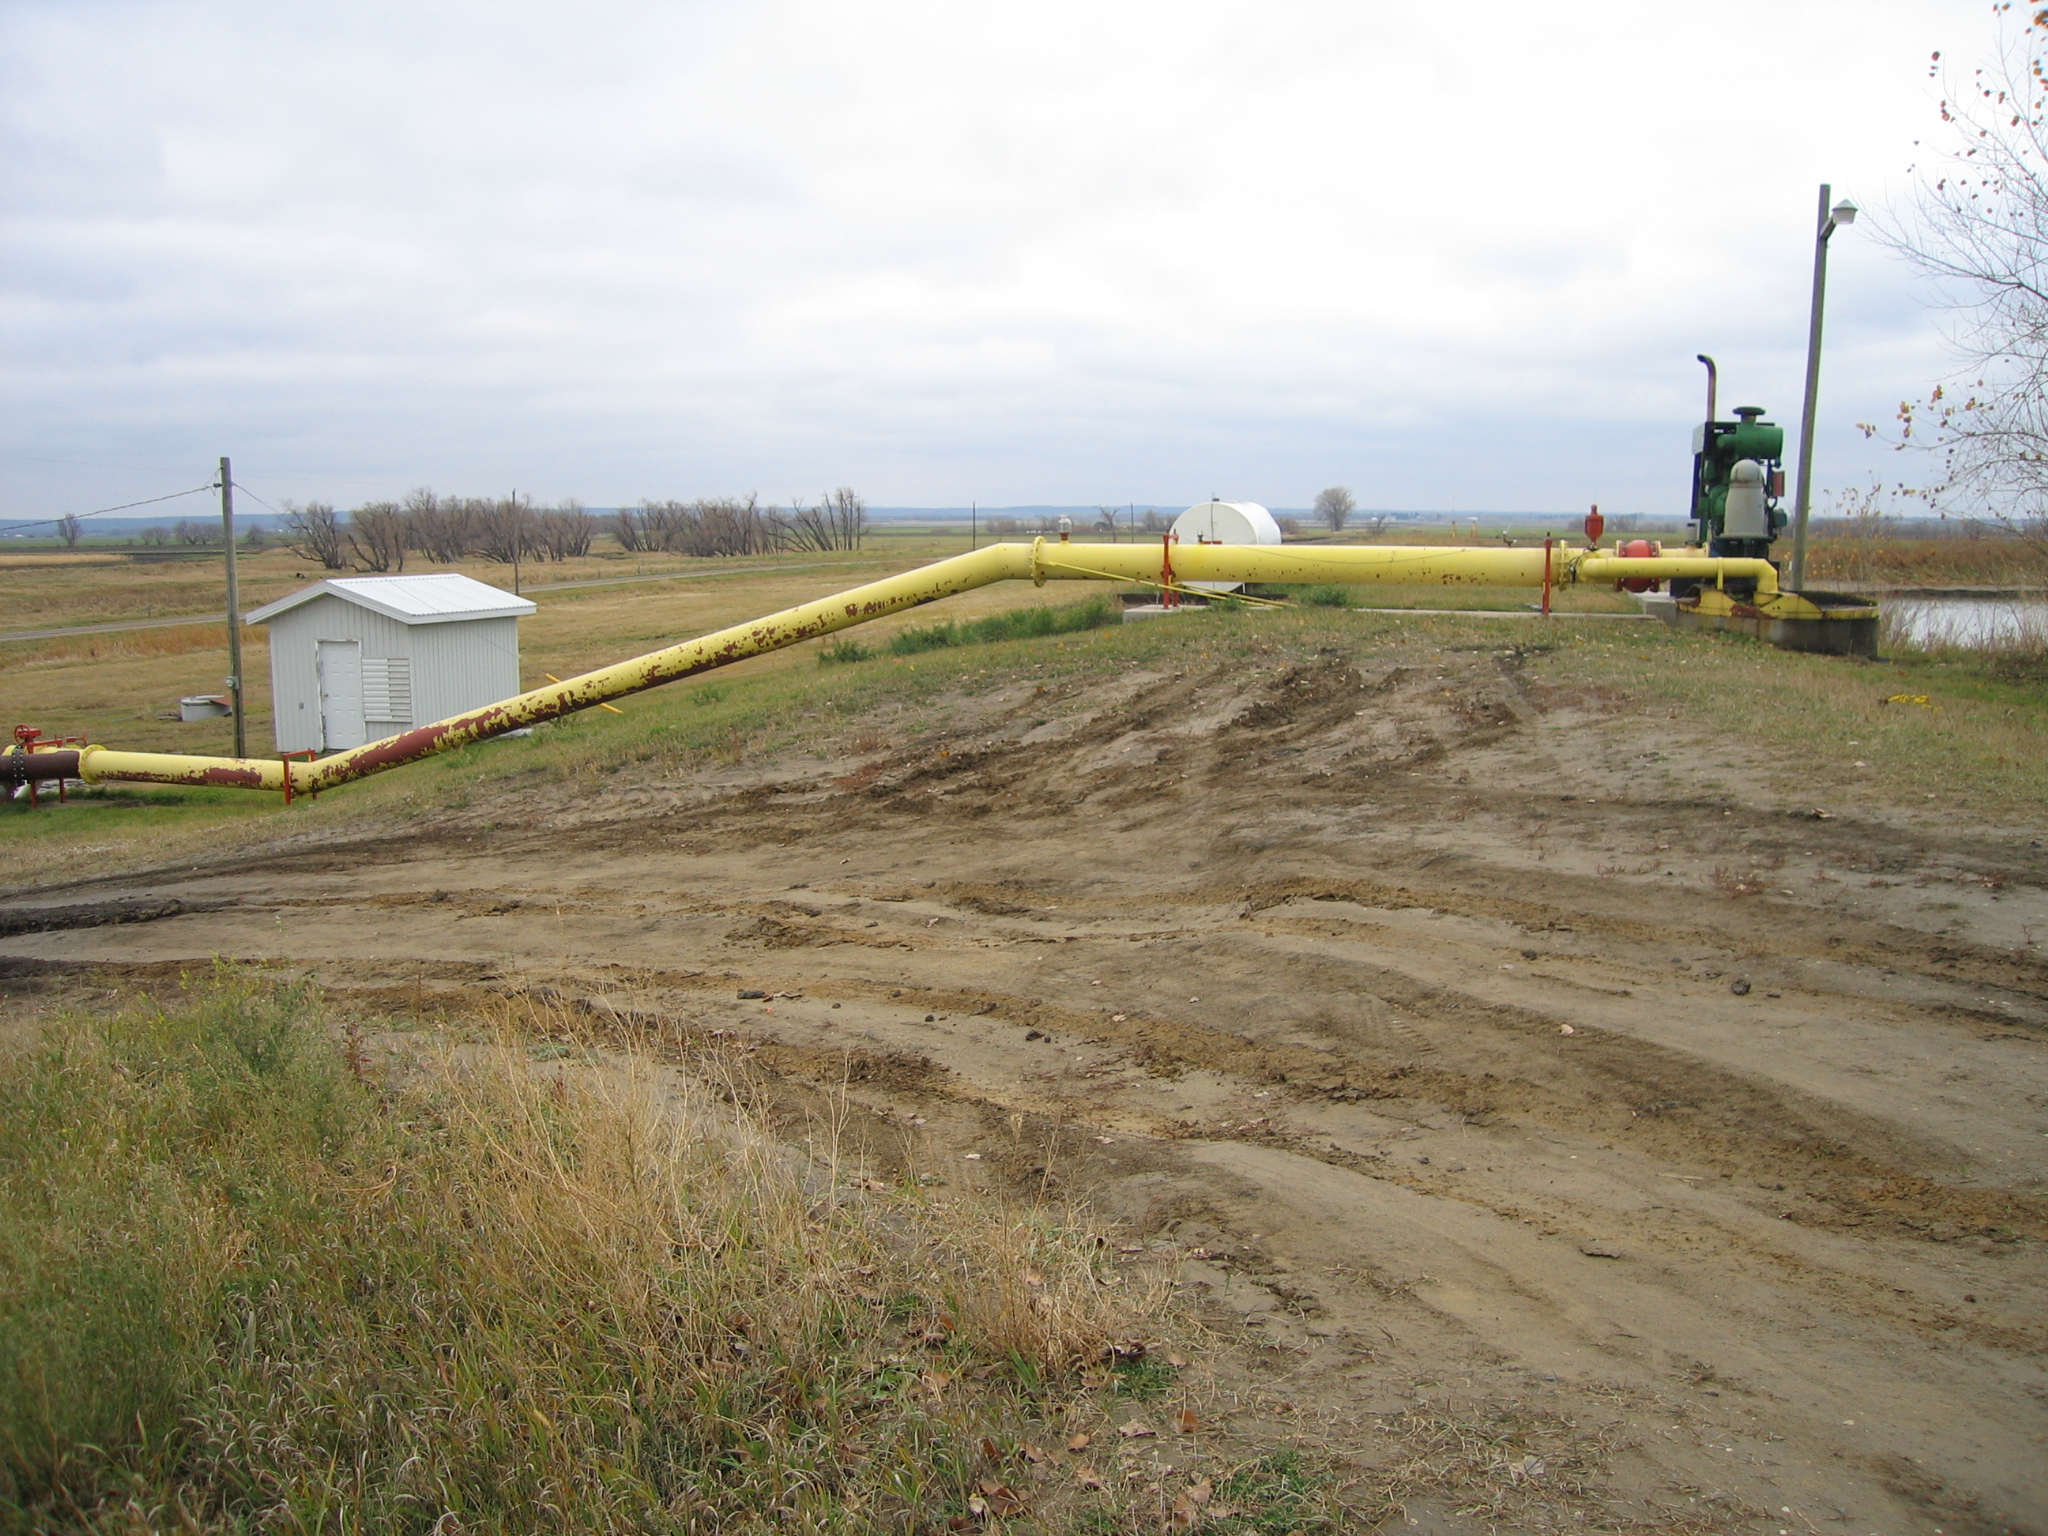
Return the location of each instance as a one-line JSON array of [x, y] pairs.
[[1738, 478]]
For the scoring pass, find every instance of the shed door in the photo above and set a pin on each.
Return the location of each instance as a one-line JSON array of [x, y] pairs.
[[341, 694]]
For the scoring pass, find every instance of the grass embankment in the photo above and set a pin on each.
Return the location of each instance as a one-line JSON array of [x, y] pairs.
[[1981, 739], [251, 1278]]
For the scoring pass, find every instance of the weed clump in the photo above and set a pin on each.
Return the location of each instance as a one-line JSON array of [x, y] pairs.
[[1329, 596], [252, 1279], [839, 653]]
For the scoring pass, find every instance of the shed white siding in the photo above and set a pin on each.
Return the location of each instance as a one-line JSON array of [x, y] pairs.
[[295, 638], [431, 661], [463, 665]]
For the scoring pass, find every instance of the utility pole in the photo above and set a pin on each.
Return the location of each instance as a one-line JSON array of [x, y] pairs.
[[227, 538], [1824, 226]]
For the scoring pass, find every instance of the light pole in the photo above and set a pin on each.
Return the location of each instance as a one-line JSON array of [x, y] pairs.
[[1843, 212]]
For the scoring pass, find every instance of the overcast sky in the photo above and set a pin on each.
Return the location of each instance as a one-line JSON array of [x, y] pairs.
[[1452, 256]]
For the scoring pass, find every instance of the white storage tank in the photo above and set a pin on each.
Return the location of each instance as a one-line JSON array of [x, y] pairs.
[[357, 658], [1225, 522]]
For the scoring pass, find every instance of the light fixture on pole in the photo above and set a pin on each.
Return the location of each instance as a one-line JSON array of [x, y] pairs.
[[1829, 220]]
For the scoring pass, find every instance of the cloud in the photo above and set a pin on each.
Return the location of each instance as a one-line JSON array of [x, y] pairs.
[[1066, 252]]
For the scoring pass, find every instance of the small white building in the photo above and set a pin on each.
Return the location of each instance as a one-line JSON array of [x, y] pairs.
[[357, 658]]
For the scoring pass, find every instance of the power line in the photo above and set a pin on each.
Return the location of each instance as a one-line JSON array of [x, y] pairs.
[[147, 501], [255, 498]]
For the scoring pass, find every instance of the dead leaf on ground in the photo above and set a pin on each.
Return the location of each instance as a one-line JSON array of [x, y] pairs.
[[935, 1382], [1186, 1422], [1003, 1500], [1201, 1490], [1135, 1429], [1176, 1362], [1079, 1441], [1088, 1477], [990, 1449], [1034, 1453], [1183, 1515]]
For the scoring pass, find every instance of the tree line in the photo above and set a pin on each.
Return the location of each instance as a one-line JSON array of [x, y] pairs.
[[380, 535]]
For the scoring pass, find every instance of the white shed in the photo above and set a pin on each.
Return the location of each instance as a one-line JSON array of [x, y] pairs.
[[356, 658], [1225, 522]]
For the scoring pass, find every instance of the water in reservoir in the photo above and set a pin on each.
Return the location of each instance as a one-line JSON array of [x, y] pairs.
[[1992, 621]]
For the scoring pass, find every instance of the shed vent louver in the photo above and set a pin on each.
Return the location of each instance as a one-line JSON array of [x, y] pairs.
[[387, 690]]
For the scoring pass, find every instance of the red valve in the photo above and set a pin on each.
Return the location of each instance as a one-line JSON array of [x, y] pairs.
[[1595, 526], [1637, 549]]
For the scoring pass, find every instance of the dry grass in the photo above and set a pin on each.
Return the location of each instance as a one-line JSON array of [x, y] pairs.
[[1840, 557], [1837, 728], [254, 1282]]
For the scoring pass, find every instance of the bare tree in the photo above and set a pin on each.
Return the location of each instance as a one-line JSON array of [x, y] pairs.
[[566, 531], [194, 533], [707, 527], [376, 537], [315, 531], [1982, 237], [156, 535], [838, 521], [849, 515], [1105, 520], [1153, 522], [438, 529], [1335, 506], [69, 530], [505, 531]]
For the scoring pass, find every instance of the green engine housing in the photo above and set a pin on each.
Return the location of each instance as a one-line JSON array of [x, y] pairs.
[[1717, 447]]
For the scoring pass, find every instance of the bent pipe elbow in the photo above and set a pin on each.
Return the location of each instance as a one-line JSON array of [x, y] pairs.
[[776, 631]]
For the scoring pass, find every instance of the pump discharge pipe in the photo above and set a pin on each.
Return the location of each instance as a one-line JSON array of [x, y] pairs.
[[1038, 562]]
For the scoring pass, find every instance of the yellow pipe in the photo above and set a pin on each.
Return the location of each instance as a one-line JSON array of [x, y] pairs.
[[1604, 568], [1038, 561]]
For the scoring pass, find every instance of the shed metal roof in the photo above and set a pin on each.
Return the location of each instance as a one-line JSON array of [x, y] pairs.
[[435, 599]]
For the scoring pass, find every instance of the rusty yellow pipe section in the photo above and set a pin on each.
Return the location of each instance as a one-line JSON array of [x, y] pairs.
[[1039, 562]]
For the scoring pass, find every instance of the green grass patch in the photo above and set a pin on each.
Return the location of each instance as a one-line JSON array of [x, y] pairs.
[[253, 1277], [1017, 624], [1143, 1377], [840, 653], [1277, 1494]]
